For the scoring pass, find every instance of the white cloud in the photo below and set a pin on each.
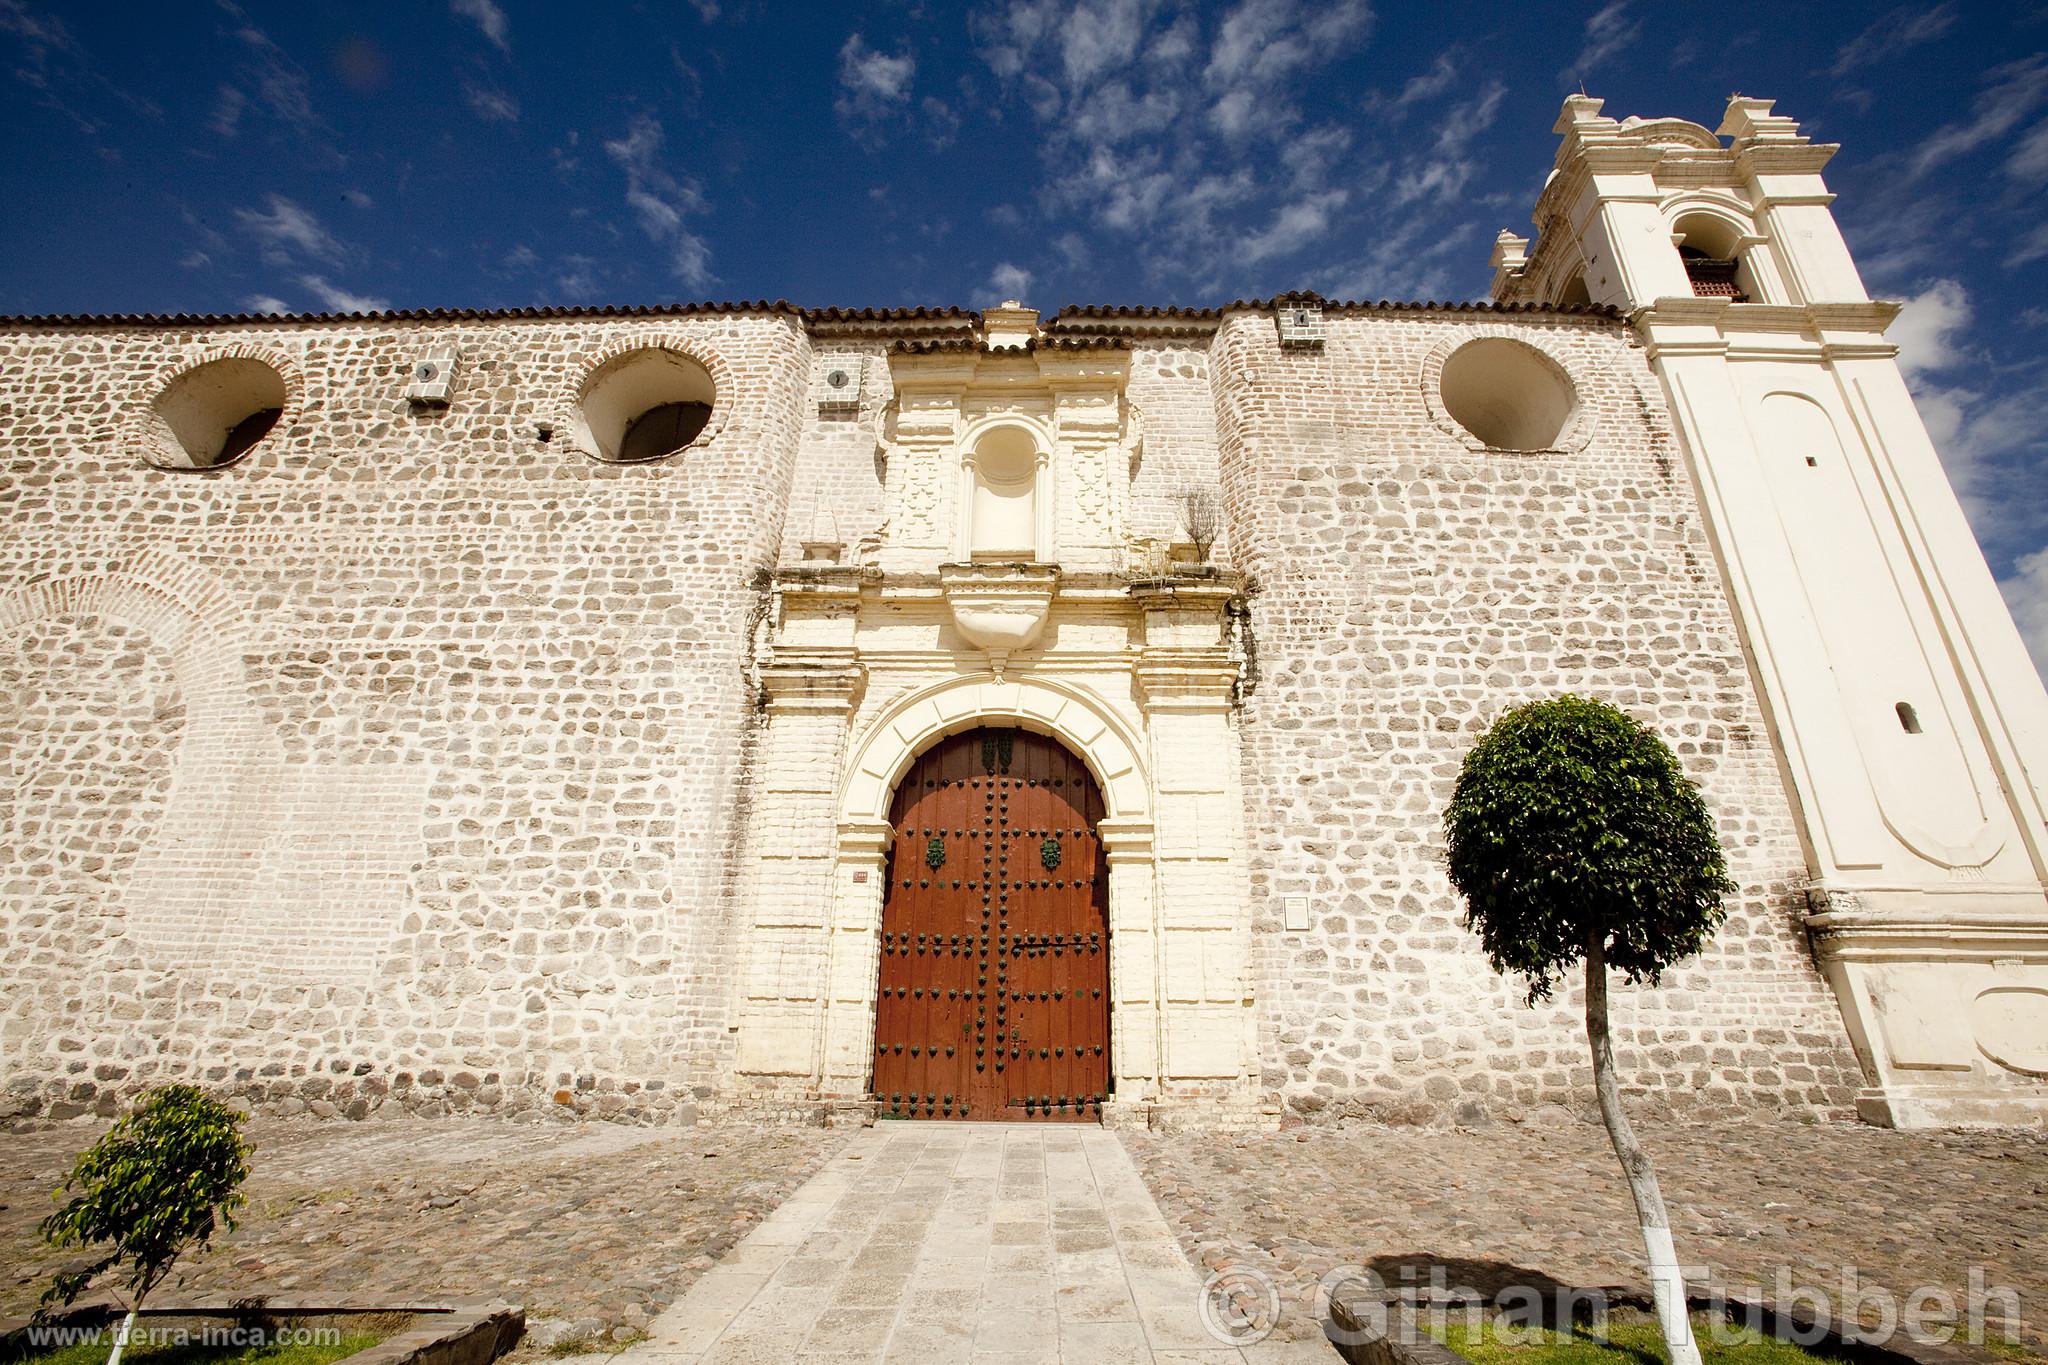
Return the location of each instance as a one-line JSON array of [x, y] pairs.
[[492, 106], [872, 84], [228, 104], [265, 303], [1418, 257], [338, 300], [1902, 28], [1991, 446], [2016, 90], [1007, 282], [280, 83], [1298, 225], [2026, 593], [1262, 47], [1164, 126], [2029, 160], [488, 18], [283, 230], [2032, 247], [1929, 330], [1449, 165], [660, 200], [1607, 32], [1442, 73], [1101, 37]]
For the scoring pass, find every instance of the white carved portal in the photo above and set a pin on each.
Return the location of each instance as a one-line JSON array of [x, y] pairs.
[[1002, 596]]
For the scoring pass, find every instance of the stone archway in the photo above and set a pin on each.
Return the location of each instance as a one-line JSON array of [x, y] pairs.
[[880, 757], [809, 990]]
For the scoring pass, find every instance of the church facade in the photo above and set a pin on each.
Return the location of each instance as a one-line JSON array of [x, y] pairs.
[[926, 713]]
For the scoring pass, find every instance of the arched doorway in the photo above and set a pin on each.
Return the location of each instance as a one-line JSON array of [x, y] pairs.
[[993, 999]]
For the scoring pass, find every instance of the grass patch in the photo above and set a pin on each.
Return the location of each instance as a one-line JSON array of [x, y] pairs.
[[213, 1341], [585, 1346], [1628, 1339]]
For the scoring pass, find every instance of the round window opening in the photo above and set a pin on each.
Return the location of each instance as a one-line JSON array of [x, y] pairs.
[[213, 414], [1508, 395], [645, 405]]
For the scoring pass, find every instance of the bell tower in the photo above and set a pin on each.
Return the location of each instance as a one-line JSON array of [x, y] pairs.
[[1910, 723]]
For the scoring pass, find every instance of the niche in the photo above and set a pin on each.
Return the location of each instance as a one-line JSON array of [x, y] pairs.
[[213, 414], [1003, 497]]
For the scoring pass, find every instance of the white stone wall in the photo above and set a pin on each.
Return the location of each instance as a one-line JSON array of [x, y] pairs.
[[399, 759], [1408, 589], [414, 761]]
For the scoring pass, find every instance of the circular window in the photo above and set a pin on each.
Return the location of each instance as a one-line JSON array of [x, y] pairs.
[[213, 414], [1508, 394], [644, 405]]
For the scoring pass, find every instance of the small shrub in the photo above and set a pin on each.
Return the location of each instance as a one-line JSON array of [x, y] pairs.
[[154, 1186]]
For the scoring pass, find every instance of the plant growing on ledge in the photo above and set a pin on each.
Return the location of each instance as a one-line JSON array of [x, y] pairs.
[[1574, 836], [1201, 517], [155, 1185]]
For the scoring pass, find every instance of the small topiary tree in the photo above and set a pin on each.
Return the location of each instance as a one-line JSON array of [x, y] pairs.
[[1573, 835], [155, 1185]]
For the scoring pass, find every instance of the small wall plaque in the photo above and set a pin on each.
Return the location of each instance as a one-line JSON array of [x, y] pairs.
[[1296, 911]]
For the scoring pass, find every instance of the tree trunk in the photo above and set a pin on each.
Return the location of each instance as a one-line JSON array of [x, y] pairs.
[[1667, 1285], [121, 1335]]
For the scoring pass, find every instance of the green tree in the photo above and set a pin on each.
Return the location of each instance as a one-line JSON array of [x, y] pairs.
[[1574, 836], [154, 1186]]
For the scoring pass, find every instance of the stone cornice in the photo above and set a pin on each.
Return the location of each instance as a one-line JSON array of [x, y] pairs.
[[1212, 591], [1784, 158], [823, 585], [1836, 331], [1849, 935], [1185, 679], [812, 678]]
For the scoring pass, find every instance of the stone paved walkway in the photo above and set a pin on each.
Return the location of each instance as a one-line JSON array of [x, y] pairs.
[[936, 1243], [1543, 1202], [595, 1227]]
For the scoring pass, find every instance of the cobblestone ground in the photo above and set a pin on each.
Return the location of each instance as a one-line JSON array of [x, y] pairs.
[[594, 1227], [1543, 1202]]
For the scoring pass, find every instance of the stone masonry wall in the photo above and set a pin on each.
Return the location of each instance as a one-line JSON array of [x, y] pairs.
[[395, 765], [403, 765], [1407, 590]]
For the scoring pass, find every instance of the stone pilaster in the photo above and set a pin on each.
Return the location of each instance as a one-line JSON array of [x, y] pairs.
[[1185, 681], [810, 684]]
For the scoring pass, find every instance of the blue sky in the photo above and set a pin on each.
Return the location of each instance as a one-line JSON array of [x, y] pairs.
[[210, 157]]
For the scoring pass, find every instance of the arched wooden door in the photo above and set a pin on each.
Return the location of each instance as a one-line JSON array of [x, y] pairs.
[[994, 989]]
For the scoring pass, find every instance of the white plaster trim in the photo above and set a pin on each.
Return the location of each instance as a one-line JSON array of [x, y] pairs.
[[884, 751]]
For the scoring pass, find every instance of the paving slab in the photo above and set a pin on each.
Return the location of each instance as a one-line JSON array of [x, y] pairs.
[[932, 1243]]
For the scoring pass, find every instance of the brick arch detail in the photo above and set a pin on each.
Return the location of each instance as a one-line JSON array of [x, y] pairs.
[[179, 605], [139, 433], [724, 383], [1578, 431]]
